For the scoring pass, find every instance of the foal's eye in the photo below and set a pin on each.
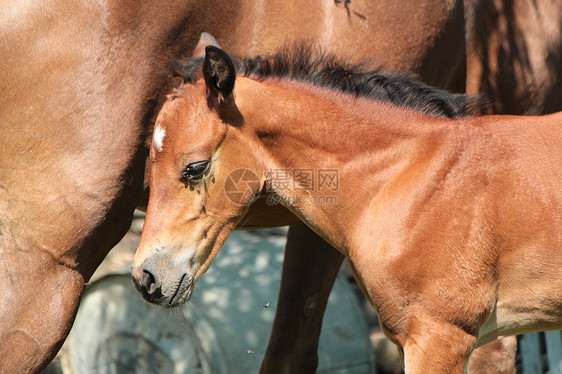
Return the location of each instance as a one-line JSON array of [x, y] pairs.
[[195, 170]]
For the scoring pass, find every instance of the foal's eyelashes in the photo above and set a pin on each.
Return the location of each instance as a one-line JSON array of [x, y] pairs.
[[196, 170]]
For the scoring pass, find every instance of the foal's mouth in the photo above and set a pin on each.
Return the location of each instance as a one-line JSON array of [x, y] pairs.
[[182, 292]]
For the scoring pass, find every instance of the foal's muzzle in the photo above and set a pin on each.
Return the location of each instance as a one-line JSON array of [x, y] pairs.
[[150, 285]]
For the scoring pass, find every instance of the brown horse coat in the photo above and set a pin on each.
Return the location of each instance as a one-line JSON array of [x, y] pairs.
[[73, 139], [452, 226]]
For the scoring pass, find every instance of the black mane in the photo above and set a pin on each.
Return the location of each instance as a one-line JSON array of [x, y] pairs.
[[307, 64]]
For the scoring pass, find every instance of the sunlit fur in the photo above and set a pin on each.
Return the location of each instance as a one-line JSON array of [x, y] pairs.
[[452, 226], [82, 81]]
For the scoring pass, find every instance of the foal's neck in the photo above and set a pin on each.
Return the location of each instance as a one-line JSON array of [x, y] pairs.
[[331, 153]]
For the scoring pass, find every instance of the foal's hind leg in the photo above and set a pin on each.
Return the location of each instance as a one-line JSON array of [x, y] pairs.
[[497, 357], [437, 347], [309, 271]]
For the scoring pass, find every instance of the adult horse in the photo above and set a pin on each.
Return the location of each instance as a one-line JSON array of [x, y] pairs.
[[514, 54], [73, 139], [441, 279]]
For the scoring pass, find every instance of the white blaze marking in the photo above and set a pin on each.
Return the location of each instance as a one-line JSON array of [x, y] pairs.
[[158, 137]]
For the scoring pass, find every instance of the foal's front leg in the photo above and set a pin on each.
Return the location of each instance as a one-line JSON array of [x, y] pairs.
[[437, 347], [309, 271]]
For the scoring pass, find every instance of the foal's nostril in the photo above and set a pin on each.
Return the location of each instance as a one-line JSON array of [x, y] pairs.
[[148, 285], [148, 282]]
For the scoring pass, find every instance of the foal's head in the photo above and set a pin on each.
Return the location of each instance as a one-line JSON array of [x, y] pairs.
[[201, 183]]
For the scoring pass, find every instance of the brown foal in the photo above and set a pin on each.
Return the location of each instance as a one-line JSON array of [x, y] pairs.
[[452, 226]]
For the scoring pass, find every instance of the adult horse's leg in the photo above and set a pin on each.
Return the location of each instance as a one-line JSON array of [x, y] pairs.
[[66, 197], [28, 302], [309, 271], [41, 290]]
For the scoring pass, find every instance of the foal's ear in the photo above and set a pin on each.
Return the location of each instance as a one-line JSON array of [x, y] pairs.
[[219, 74], [205, 40]]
